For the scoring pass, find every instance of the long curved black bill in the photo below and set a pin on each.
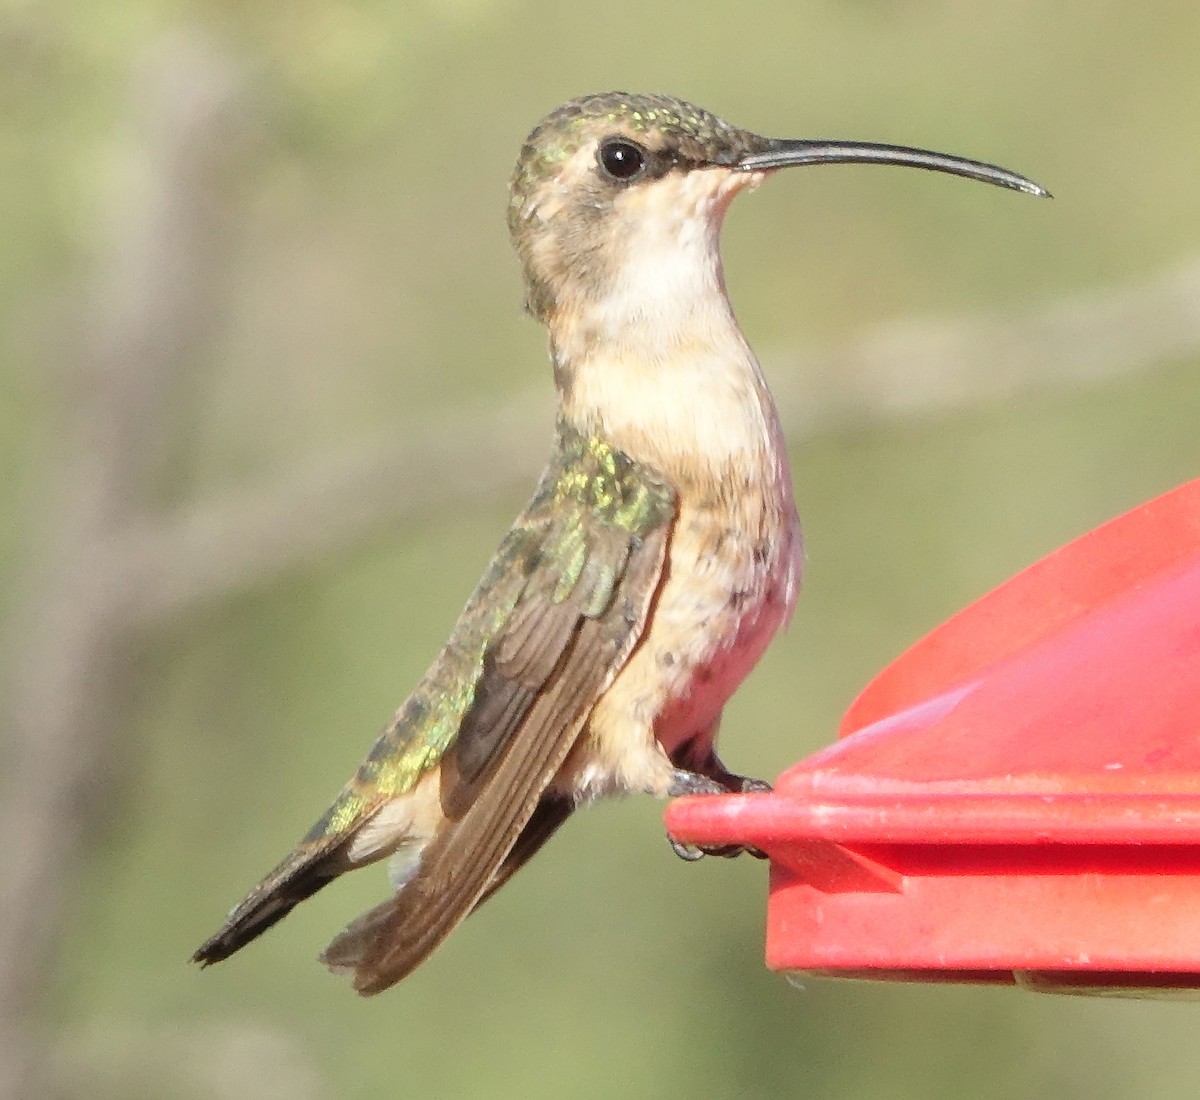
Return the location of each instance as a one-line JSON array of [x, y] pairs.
[[785, 153]]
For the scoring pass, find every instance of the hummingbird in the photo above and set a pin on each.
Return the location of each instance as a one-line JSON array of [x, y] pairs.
[[659, 554]]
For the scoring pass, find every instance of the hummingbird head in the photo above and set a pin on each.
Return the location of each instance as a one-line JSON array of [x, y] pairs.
[[613, 182], [617, 199]]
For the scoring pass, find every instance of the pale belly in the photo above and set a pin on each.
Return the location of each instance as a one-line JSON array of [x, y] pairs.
[[728, 588]]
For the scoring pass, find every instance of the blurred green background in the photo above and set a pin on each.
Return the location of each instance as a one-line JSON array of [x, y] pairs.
[[332, 179]]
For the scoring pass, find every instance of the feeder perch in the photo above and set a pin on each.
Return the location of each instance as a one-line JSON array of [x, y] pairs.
[[1016, 799]]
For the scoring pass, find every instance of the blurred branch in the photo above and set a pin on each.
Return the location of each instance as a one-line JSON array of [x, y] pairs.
[[154, 305], [908, 369], [916, 368], [328, 506]]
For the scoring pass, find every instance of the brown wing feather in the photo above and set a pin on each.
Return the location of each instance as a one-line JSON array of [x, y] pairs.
[[551, 812], [513, 674], [461, 864], [523, 658]]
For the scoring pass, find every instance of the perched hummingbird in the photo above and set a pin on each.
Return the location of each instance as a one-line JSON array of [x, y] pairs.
[[659, 554]]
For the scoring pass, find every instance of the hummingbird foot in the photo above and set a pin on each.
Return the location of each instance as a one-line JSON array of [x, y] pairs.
[[750, 785], [689, 853], [734, 783], [693, 783], [684, 782]]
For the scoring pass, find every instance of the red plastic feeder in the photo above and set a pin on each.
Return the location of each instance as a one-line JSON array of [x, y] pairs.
[[1017, 797]]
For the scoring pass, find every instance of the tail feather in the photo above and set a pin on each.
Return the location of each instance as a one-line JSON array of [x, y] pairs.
[[351, 945], [301, 875], [360, 946]]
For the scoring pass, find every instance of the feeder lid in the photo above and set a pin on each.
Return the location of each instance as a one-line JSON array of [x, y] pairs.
[[1018, 794]]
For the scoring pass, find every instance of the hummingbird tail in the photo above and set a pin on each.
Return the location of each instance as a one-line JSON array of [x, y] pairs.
[[358, 948], [300, 876], [352, 945]]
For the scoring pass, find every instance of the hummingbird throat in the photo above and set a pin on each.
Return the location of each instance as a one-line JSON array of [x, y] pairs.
[[653, 359]]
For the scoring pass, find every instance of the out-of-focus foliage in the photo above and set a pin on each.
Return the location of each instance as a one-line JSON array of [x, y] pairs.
[[371, 287]]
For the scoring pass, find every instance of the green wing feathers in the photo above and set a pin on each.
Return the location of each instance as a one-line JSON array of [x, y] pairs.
[[561, 559]]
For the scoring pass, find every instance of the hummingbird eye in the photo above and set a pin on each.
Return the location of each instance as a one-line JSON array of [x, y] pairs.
[[621, 160]]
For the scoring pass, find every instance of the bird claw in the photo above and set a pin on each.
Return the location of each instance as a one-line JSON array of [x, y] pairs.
[[753, 786], [685, 782], [693, 783], [690, 853]]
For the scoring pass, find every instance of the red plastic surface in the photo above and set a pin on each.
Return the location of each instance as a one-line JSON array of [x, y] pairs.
[[1017, 797]]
